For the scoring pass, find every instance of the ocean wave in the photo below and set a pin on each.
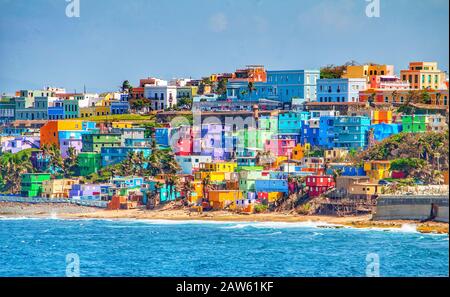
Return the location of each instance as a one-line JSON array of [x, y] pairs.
[[281, 225]]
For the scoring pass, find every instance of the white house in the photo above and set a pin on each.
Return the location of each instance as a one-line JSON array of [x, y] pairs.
[[161, 96], [189, 164]]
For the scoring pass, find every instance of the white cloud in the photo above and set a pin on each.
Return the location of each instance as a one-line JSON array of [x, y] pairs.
[[218, 22]]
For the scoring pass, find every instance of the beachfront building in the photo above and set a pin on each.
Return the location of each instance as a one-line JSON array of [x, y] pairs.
[[57, 188], [424, 75], [340, 89], [31, 184]]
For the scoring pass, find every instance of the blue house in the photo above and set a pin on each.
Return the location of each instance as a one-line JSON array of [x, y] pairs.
[[121, 106], [309, 134], [340, 89], [162, 136], [291, 122], [127, 181], [271, 185], [383, 130], [351, 131], [281, 85], [166, 194], [326, 132]]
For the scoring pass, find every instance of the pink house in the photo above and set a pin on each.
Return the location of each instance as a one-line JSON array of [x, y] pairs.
[[182, 142], [280, 147]]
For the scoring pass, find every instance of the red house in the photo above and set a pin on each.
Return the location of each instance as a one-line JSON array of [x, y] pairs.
[[318, 184]]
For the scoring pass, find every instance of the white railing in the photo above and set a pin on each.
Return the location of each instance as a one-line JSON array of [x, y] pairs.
[[92, 203]]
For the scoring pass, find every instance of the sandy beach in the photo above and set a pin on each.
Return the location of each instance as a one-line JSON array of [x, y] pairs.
[[70, 211]]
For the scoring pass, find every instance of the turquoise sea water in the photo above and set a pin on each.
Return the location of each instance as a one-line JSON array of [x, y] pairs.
[[38, 247]]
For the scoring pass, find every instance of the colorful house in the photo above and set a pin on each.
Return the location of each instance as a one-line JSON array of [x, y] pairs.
[[88, 163], [190, 164], [414, 123], [31, 184], [299, 151], [351, 132], [271, 185], [57, 188], [377, 170], [222, 199], [280, 147], [319, 184], [382, 131], [423, 75], [95, 141], [327, 132], [340, 89]]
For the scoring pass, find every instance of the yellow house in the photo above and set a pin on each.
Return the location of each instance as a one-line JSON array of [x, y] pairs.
[[377, 170], [422, 75], [214, 176], [381, 116], [219, 166], [299, 151], [57, 188], [274, 196], [335, 154], [368, 70], [220, 199], [74, 125], [122, 125], [87, 112]]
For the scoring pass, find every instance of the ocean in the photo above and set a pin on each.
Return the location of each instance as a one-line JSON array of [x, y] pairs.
[[55, 247]]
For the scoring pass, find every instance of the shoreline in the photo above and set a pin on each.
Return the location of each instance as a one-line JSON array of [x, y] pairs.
[[20, 210]]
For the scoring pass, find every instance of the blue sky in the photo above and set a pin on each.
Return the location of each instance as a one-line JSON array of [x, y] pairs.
[[114, 40]]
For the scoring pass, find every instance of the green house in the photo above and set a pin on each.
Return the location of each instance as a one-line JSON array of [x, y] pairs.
[[94, 142], [31, 184], [414, 123], [88, 163]]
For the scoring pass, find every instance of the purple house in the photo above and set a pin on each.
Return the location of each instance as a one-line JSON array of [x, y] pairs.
[[17, 144]]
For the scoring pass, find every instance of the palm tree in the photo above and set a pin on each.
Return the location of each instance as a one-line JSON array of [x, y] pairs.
[[12, 169], [70, 162], [187, 189]]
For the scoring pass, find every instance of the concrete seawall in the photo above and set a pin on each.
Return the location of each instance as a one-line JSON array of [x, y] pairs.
[[414, 207]]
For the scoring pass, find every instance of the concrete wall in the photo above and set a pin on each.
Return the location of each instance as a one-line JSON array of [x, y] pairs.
[[411, 207]]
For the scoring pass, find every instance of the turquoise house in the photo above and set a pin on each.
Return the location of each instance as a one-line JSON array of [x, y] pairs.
[[351, 131]]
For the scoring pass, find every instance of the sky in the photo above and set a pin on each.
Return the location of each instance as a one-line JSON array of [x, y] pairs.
[[114, 40]]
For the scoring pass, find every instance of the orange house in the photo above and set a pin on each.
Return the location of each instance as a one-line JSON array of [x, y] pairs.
[[49, 132]]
